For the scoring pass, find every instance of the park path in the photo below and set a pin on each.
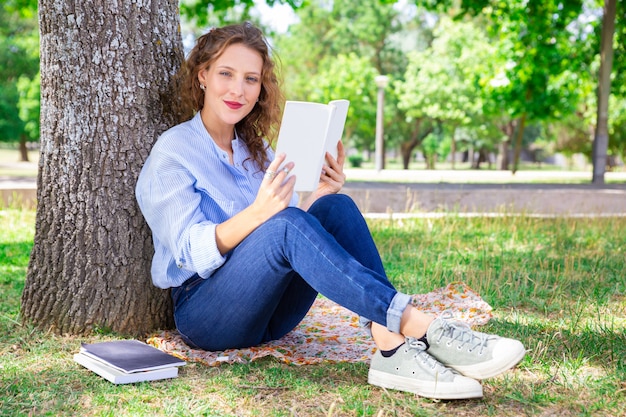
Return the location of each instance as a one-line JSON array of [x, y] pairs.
[[486, 192], [460, 191]]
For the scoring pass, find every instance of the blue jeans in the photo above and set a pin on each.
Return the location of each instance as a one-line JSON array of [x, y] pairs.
[[271, 279]]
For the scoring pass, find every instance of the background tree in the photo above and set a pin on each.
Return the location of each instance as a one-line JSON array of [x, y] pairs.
[[375, 31], [540, 53], [106, 70], [218, 12], [29, 106], [19, 59], [442, 85], [617, 132], [601, 137], [349, 77], [545, 28], [617, 108]]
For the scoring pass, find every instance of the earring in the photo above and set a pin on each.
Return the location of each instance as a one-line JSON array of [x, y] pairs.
[[202, 87]]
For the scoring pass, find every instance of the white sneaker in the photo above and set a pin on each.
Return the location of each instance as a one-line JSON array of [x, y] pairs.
[[474, 354], [411, 369]]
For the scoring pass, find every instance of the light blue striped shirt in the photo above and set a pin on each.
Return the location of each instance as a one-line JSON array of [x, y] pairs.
[[186, 187]]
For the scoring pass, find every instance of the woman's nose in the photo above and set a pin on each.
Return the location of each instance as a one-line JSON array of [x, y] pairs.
[[237, 86]]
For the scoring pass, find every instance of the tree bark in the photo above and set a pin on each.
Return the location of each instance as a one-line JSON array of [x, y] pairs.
[[601, 139], [23, 148], [517, 150], [417, 136], [106, 79], [504, 154], [508, 129], [453, 150]]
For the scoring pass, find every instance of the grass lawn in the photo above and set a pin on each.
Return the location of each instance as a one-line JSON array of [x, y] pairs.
[[556, 284]]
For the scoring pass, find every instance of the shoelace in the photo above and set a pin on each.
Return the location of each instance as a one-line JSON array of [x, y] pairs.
[[426, 359], [462, 333]]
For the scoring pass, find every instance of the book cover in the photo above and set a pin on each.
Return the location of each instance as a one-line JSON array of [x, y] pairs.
[[118, 377], [130, 355], [308, 130]]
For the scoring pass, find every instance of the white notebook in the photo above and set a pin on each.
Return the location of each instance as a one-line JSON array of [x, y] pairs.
[[308, 130]]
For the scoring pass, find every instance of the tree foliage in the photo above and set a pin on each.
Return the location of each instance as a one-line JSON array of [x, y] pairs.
[[543, 71], [19, 59], [349, 76], [224, 11], [554, 50], [29, 105], [443, 84], [335, 52]]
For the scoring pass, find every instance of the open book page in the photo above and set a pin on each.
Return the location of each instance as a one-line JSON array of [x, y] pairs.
[[307, 131], [337, 124]]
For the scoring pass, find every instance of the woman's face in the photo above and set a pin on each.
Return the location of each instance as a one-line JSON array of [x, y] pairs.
[[233, 85]]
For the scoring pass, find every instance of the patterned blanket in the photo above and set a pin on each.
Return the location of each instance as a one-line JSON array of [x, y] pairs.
[[331, 333]]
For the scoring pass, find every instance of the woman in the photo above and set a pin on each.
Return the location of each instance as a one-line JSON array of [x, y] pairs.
[[245, 264]]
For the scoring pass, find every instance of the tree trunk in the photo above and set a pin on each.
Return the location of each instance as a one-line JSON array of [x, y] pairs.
[[508, 129], [517, 150], [417, 136], [23, 149], [601, 139], [504, 155], [106, 79], [453, 150], [406, 149]]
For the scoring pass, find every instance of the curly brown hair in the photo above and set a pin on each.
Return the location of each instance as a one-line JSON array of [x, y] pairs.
[[261, 124]]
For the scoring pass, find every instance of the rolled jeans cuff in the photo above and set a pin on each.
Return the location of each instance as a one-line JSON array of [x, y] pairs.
[[398, 304], [394, 313]]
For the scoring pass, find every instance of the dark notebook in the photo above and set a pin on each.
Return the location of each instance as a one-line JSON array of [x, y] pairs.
[[130, 355]]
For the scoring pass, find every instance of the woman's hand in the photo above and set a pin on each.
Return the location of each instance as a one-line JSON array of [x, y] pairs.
[[332, 177], [275, 192], [274, 195]]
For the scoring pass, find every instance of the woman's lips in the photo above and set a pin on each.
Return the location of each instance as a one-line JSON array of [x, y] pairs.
[[234, 105]]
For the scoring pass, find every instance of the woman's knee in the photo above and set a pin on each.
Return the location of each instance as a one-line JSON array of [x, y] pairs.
[[334, 204], [289, 214], [279, 223]]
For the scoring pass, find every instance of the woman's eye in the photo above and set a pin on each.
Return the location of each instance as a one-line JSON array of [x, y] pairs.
[[253, 79], [225, 73]]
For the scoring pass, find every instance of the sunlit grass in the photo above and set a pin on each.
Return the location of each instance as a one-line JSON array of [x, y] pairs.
[[556, 284]]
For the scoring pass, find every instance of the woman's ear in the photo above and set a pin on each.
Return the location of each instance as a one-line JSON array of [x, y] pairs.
[[202, 77]]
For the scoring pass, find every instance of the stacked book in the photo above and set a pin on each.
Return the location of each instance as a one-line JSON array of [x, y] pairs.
[[128, 361]]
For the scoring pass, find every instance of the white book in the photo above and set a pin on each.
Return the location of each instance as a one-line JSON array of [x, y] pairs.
[[127, 361], [308, 130]]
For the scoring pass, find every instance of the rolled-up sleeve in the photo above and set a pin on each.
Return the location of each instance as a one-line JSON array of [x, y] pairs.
[[208, 259]]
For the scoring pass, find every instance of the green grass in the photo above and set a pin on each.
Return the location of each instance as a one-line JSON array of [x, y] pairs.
[[556, 284]]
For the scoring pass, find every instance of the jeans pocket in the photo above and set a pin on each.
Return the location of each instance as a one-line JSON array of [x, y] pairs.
[[192, 283], [181, 293]]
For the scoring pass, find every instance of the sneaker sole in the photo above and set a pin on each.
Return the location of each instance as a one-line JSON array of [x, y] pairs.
[[440, 390], [490, 369]]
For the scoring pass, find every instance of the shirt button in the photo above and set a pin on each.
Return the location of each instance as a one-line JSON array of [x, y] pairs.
[[179, 265]]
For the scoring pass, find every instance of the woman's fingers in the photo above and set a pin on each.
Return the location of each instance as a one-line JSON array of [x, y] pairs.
[[277, 189], [341, 153], [272, 170]]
